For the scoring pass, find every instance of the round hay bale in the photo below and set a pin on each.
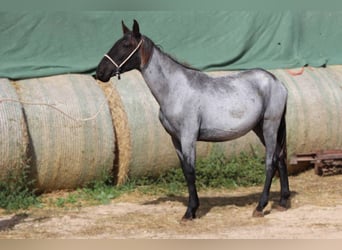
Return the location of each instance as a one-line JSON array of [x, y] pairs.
[[67, 153], [13, 134]]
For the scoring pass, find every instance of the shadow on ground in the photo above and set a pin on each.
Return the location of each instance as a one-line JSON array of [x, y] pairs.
[[9, 224], [208, 203]]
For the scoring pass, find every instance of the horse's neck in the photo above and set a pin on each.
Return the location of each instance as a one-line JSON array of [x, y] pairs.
[[162, 75]]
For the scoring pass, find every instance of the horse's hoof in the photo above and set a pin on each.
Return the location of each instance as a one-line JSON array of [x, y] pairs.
[[258, 214], [280, 208], [186, 220], [188, 217]]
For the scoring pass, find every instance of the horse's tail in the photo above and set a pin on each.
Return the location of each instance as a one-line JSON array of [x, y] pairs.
[[281, 139]]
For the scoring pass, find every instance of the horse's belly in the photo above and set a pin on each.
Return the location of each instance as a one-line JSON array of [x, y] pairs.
[[217, 135], [228, 125]]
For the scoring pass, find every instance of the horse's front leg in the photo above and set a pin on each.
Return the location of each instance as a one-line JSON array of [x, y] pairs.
[[186, 151]]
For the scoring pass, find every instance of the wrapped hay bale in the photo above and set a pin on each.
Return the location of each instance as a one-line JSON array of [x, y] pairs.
[[13, 133], [67, 152]]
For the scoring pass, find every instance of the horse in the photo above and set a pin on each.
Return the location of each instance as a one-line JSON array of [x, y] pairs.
[[197, 107]]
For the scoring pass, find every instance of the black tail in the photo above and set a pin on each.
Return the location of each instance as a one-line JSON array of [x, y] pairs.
[[281, 139], [282, 162]]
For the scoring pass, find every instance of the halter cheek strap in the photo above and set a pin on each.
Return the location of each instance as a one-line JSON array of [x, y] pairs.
[[124, 61]]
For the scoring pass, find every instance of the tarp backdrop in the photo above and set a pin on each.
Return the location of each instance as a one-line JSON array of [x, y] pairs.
[[34, 44]]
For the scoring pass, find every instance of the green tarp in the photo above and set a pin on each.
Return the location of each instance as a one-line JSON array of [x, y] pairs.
[[34, 44]]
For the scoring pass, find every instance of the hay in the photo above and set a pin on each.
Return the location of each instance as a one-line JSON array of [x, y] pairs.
[[13, 134], [65, 153], [122, 134]]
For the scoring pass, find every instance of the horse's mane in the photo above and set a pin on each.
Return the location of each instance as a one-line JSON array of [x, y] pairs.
[[160, 49]]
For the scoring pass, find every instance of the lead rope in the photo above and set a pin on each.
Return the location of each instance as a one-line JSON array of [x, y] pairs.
[[92, 117]]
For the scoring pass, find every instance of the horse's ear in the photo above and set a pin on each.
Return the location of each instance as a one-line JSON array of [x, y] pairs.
[[136, 30], [124, 27]]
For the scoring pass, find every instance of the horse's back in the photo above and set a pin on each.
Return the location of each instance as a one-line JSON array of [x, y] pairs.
[[263, 83]]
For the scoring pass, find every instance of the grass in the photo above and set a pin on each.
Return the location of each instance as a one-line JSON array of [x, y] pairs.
[[100, 191], [213, 172], [16, 192]]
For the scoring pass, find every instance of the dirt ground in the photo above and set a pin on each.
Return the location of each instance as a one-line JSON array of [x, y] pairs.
[[315, 212]]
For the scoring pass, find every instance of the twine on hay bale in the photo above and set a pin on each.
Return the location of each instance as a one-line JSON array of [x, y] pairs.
[[66, 153], [13, 134]]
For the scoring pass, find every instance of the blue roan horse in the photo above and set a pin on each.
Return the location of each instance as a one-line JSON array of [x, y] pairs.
[[197, 107]]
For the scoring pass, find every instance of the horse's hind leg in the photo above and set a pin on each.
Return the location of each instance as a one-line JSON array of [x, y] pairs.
[[281, 154], [270, 129], [284, 183], [280, 157]]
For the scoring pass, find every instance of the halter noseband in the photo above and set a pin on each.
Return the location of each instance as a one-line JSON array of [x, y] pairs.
[[124, 61]]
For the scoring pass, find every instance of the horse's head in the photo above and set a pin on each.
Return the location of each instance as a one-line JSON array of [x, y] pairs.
[[123, 56]]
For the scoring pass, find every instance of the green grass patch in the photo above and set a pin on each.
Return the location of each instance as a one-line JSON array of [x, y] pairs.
[[241, 171], [16, 192], [214, 172], [103, 191], [97, 192]]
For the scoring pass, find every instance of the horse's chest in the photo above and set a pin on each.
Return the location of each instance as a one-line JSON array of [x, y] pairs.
[[171, 123]]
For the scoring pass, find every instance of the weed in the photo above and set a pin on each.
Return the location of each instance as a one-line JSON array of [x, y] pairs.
[[242, 170], [70, 199], [100, 191], [16, 191]]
